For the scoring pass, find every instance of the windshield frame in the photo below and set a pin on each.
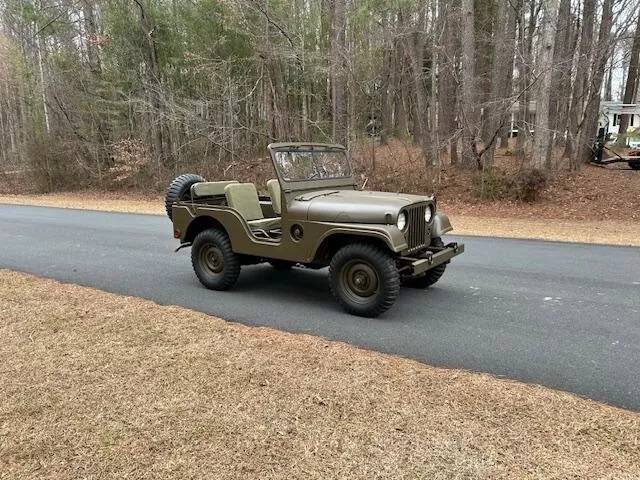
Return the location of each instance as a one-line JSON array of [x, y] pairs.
[[316, 183]]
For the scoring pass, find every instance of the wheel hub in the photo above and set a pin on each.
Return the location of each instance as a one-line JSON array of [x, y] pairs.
[[360, 279], [212, 259]]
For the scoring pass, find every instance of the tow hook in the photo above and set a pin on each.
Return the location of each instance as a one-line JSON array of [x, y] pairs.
[[182, 245], [453, 245]]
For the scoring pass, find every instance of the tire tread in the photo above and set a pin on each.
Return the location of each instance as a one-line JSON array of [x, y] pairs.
[[232, 264], [177, 188], [389, 277]]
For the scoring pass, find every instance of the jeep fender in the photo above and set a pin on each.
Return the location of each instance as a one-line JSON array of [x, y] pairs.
[[441, 225], [388, 235]]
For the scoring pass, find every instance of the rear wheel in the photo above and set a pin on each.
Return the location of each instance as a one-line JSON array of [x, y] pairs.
[[214, 263], [429, 277], [364, 279], [635, 164], [178, 190]]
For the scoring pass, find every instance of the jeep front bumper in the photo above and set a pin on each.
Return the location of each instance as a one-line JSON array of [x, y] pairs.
[[430, 259]]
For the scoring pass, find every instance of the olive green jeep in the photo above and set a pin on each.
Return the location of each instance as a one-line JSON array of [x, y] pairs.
[[314, 217]]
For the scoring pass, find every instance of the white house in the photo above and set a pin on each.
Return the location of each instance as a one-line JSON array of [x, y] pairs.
[[613, 111], [610, 113]]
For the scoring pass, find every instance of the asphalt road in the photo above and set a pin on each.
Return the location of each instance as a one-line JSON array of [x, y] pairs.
[[562, 315]]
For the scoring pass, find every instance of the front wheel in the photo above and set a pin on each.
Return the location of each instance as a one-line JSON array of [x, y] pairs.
[[213, 260], [635, 164], [364, 279], [429, 277]]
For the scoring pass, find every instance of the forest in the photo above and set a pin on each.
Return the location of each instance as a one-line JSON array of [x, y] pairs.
[[127, 93]]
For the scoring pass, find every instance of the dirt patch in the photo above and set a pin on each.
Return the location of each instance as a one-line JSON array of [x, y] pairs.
[[594, 192], [610, 193], [104, 386]]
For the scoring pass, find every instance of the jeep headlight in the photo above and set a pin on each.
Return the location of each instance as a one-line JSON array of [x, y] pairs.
[[402, 221], [428, 214]]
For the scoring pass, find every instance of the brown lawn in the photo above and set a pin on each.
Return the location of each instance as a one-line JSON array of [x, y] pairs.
[[95, 385]]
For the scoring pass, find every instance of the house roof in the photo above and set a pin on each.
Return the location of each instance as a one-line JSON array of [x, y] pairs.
[[621, 108]]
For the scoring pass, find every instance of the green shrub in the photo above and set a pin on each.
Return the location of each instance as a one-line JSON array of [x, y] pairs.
[[494, 184], [51, 166], [528, 185], [491, 184]]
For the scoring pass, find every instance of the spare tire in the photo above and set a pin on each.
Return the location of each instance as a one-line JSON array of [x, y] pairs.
[[178, 190]]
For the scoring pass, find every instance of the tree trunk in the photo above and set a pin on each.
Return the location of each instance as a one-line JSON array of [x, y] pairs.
[[434, 147], [526, 34], [485, 23], [400, 90], [542, 138], [339, 74], [497, 109], [562, 94], [386, 110], [43, 89], [608, 87], [631, 85], [153, 85], [469, 114], [581, 78], [447, 78], [561, 63], [414, 48], [589, 125]]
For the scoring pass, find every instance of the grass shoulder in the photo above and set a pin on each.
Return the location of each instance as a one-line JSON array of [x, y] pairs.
[[165, 392]]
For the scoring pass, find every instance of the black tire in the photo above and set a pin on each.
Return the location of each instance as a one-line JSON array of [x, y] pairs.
[[214, 263], [635, 164], [430, 277], [281, 265], [364, 279], [178, 189]]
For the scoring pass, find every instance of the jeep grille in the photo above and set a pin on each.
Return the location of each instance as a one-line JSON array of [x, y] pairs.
[[416, 233]]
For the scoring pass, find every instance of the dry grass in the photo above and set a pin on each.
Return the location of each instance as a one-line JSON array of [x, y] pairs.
[[612, 232], [104, 386], [104, 201]]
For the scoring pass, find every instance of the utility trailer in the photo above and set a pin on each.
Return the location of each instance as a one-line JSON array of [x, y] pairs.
[[604, 136]]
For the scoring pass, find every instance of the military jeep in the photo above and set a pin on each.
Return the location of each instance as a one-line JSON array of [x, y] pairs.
[[314, 217]]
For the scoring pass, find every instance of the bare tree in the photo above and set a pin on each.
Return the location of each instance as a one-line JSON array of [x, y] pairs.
[[500, 99], [339, 74], [581, 83], [543, 137], [448, 77], [468, 108], [588, 126], [563, 53], [414, 51]]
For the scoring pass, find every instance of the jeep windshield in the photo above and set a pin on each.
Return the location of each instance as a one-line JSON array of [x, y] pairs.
[[304, 165]]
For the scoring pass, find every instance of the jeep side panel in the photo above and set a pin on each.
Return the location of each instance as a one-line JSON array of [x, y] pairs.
[[189, 220]]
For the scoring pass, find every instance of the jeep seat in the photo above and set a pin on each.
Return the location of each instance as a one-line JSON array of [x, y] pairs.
[[243, 197], [275, 193], [210, 189]]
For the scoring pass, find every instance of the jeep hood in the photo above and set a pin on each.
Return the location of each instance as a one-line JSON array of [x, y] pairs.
[[354, 206]]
